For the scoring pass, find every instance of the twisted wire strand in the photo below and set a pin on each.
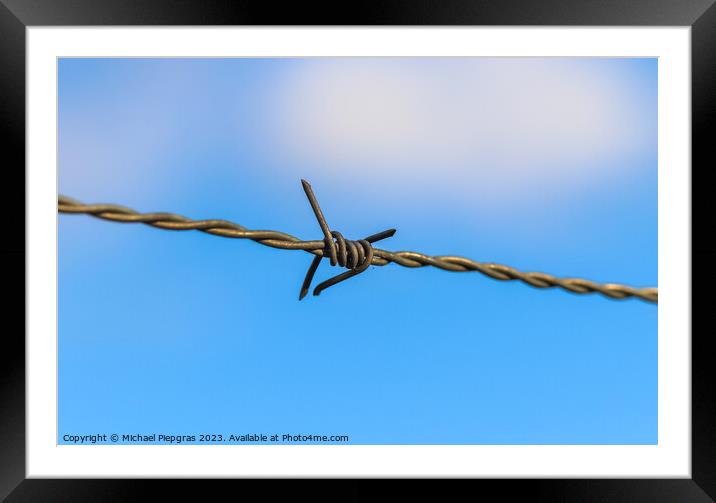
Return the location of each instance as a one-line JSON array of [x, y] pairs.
[[284, 241]]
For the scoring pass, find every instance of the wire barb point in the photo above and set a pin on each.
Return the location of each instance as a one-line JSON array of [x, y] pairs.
[[357, 256]]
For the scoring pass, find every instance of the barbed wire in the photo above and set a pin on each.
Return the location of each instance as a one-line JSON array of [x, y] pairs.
[[357, 256]]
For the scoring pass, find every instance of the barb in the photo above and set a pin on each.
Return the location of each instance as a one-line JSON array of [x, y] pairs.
[[327, 246], [355, 255]]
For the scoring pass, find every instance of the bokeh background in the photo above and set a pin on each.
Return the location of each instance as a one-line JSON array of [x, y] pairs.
[[544, 164]]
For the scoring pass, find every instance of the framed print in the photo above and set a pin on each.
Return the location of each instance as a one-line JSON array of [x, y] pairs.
[[416, 243]]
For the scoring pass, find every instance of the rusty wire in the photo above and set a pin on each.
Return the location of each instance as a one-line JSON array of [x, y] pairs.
[[357, 256]]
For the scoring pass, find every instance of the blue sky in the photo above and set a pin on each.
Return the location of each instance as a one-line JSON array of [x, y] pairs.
[[542, 164]]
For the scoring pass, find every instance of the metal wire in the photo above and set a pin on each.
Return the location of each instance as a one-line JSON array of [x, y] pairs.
[[355, 255], [327, 248]]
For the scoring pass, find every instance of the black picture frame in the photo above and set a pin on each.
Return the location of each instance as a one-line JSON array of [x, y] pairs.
[[16, 15]]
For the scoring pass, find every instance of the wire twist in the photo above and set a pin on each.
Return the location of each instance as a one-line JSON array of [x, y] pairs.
[[284, 241], [355, 255]]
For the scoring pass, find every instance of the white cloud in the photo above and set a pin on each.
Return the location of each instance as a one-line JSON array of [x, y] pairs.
[[492, 126]]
